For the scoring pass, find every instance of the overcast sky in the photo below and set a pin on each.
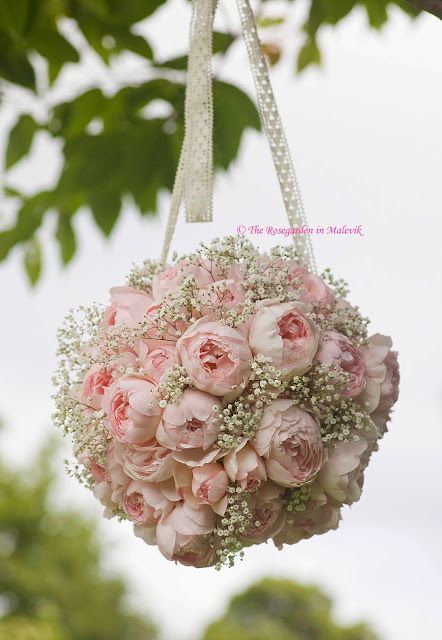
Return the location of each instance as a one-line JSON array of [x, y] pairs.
[[366, 135]]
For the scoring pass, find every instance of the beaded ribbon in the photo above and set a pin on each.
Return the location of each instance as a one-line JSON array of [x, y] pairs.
[[194, 177]]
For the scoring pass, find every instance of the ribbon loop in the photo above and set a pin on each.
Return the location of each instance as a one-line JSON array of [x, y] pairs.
[[194, 178], [198, 145]]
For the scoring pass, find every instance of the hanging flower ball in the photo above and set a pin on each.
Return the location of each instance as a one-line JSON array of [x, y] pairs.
[[229, 398]]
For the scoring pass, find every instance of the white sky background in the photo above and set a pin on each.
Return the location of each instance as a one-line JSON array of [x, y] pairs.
[[366, 134]]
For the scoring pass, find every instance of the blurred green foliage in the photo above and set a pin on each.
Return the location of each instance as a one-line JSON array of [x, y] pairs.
[[51, 583], [52, 586], [283, 610], [116, 146]]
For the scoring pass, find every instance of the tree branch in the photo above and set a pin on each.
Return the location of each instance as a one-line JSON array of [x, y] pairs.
[[431, 6]]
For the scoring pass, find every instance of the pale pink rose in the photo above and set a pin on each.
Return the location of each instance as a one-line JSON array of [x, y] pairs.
[[390, 385], [197, 457], [170, 279], [197, 552], [148, 461], [145, 502], [181, 525], [216, 357], [225, 293], [207, 272], [381, 374], [131, 409], [95, 383], [98, 472], [268, 513], [313, 287], [320, 515], [111, 485], [290, 441], [338, 350], [156, 357], [284, 334], [128, 306], [245, 467], [191, 423], [340, 477], [209, 483]]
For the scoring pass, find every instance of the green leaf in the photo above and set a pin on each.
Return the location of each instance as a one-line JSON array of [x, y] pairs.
[[12, 193], [29, 218], [66, 237], [135, 43], [99, 8], [377, 12], [234, 112], [13, 15], [127, 13], [269, 22], [71, 118], [105, 207], [309, 54], [326, 12], [20, 139], [222, 41], [149, 163], [32, 260], [15, 66], [52, 46]]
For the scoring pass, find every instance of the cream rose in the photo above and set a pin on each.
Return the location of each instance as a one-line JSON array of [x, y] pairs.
[[289, 439], [268, 514], [245, 467], [311, 286], [283, 333], [381, 374], [191, 423], [216, 357], [131, 409], [338, 350]]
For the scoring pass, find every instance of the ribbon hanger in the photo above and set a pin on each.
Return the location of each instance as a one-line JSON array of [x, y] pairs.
[[194, 177]]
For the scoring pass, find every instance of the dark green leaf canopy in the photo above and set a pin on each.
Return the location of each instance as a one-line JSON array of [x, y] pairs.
[[116, 148]]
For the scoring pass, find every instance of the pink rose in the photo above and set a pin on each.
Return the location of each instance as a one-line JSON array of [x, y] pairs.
[[111, 485], [268, 513], [145, 503], [95, 383], [336, 349], [313, 288], [176, 530], [131, 408], [319, 516], [381, 374], [285, 335], [216, 357], [389, 393], [226, 293], [128, 306], [197, 552], [166, 281], [341, 475], [155, 357], [209, 484], [206, 273], [290, 441], [245, 467], [191, 423], [148, 461], [197, 457]]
